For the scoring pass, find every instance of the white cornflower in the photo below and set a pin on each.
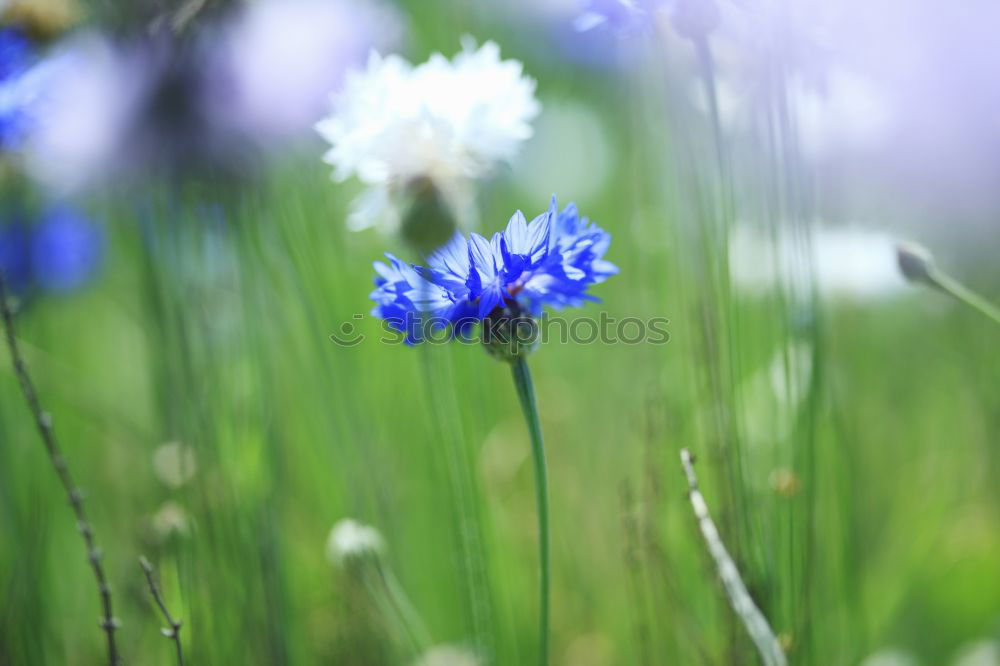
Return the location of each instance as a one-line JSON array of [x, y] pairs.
[[449, 121], [169, 520], [844, 263], [350, 539], [94, 94]]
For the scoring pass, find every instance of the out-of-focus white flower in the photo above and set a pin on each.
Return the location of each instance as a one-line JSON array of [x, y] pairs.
[[784, 481], [114, 109], [847, 113], [842, 113], [569, 153], [174, 464], [279, 60], [91, 94], [844, 262], [447, 655], [450, 121], [170, 519], [980, 653], [350, 539], [891, 657]]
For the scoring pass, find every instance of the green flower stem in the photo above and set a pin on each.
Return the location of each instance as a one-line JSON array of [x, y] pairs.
[[957, 290], [397, 606], [526, 393]]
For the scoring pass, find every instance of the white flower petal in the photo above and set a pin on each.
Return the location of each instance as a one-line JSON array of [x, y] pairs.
[[450, 121]]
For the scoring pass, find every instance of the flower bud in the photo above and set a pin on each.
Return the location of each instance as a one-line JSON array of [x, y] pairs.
[[508, 332], [915, 262], [351, 541]]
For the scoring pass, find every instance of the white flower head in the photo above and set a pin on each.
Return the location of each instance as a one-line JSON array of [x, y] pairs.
[[169, 520], [350, 539], [94, 90], [174, 464], [450, 121], [849, 263]]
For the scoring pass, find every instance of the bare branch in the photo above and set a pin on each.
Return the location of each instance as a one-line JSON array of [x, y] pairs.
[[43, 421], [172, 632]]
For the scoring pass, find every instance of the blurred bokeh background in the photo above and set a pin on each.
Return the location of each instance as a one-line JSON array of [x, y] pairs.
[[179, 260]]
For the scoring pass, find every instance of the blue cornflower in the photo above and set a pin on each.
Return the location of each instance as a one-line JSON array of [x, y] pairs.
[[15, 255], [66, 249], [693, 19], [622, 15], [60, 252], [550, 261], [15, 57], [15, 53]]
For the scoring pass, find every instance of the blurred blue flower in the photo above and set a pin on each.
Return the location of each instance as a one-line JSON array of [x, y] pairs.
[[118, 108], [692, 19], [618, 14], [60, 252], [66, 250], [15, 53], [550, 261], [15, 241], [611, 33], [15, 56]]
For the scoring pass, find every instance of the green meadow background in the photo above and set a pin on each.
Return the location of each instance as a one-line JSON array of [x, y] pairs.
[[860, 500]]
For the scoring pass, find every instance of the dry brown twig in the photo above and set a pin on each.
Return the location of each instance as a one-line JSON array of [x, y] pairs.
[[43, 422], [173, 631], [739, 598]]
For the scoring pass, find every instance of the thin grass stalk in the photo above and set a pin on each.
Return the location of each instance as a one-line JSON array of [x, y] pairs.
[[386, 592], [960, 292], [405, 609], [43, 421], [633, 569], [917, 265], [739, 598]]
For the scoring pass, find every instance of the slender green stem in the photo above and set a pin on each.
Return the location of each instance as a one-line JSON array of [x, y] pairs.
[[526, 393], [410, 619], [956, 289]]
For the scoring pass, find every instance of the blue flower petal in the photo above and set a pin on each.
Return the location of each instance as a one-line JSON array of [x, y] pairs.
[[550, 261]]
